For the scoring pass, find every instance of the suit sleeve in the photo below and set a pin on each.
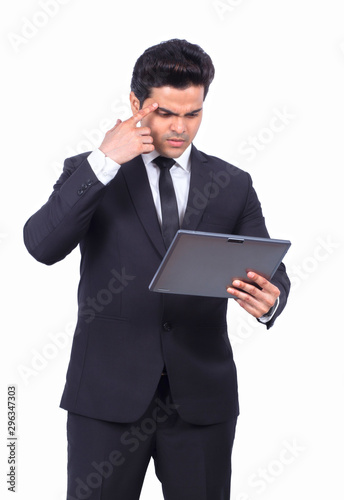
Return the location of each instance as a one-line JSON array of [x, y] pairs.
[[59, 225], [252, 223]]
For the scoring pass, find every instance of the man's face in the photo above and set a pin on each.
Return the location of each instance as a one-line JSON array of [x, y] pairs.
[[176, 121]]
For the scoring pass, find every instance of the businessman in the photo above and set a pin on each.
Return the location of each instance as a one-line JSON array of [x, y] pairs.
[[151, 375]]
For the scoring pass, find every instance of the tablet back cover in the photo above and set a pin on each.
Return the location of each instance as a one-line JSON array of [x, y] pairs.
[[205, 264]]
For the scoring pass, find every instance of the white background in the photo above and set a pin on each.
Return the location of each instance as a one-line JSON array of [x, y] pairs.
[[73, 72]]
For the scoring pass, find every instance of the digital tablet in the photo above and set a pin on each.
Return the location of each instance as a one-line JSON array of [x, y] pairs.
[[199, 263]]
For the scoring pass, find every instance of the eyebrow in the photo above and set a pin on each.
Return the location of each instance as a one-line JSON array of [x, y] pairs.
[[176, 114]]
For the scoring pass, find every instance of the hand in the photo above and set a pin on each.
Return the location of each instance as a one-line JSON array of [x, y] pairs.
[[125, 140], [257, 302]]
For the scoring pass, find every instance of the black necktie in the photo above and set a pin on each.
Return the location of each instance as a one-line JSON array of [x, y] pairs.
[[169, 208]]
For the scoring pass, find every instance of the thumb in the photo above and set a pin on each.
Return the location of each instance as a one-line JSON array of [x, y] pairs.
[[118, 122]]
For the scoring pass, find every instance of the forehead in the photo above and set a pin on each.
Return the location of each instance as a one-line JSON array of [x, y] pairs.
[[178, 100]]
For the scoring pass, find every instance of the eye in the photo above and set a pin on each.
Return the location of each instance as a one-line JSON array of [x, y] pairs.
[[193, 115]]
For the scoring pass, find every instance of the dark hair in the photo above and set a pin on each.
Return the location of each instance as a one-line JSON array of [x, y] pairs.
[[174, 63]]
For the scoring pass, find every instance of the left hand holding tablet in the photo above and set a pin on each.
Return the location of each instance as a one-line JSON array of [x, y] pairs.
[[256, 301]]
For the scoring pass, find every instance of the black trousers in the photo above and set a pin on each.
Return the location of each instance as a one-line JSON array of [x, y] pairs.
[[108, 461]]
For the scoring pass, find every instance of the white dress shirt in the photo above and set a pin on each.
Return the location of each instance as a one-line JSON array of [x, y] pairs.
[[106, 169]]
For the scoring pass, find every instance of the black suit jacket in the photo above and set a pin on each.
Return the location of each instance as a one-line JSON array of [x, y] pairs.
[[125, 333]]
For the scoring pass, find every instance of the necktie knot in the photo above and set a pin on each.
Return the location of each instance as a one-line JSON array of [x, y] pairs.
[[164, 162]]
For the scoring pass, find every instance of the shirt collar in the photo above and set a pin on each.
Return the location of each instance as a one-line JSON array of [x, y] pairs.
[[183, 161]]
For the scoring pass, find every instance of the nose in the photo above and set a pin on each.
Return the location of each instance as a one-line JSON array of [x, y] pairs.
[[178, 125]]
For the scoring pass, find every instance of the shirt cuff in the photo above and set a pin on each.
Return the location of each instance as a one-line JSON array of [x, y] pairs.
[[104, 168], [266, 317]]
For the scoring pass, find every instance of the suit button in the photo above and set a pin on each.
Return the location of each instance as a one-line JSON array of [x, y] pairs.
[[167, 327], [80, 192]]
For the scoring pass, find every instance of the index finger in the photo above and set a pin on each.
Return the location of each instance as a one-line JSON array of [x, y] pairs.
[[261, 281], [137, 117]]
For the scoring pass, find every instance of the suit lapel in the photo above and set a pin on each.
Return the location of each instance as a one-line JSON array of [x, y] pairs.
[[200, 183], [138, 185], [137, 181]]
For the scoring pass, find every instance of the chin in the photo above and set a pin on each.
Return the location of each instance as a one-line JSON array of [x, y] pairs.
[[171, 152]]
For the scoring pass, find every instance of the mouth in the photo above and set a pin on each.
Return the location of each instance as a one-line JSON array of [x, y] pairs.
[[176, 143]]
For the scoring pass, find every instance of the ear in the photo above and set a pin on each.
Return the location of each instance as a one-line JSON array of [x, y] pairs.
[[134, 103]]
